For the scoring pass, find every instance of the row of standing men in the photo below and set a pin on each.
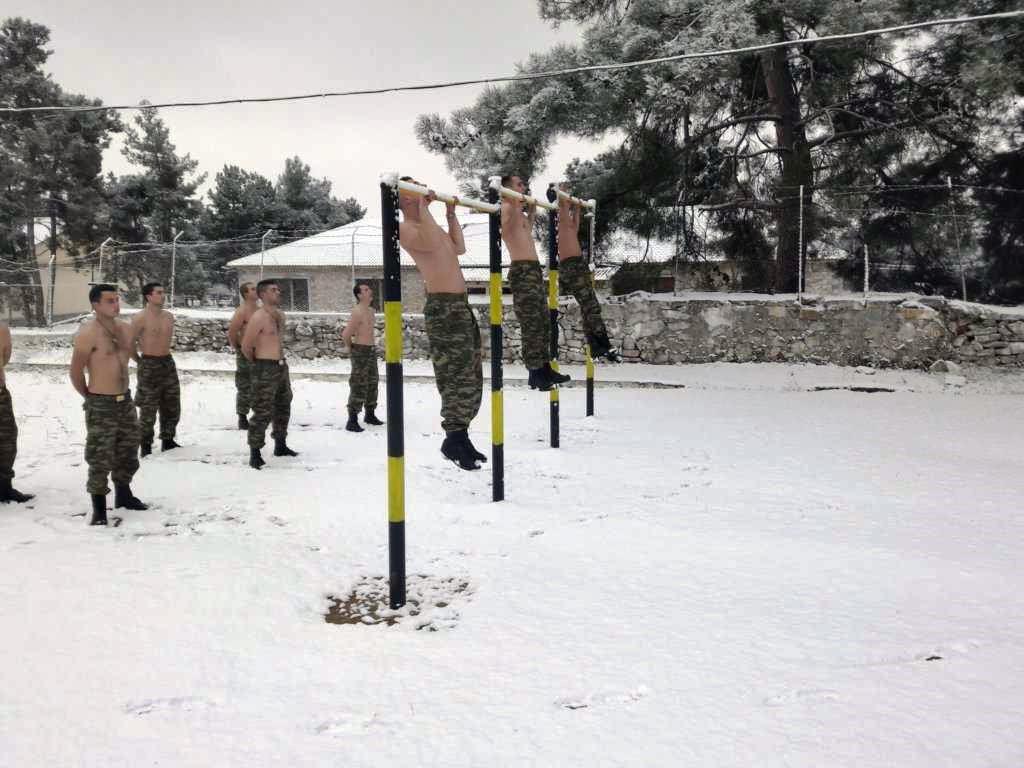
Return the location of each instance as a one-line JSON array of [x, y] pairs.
[[116, 434]]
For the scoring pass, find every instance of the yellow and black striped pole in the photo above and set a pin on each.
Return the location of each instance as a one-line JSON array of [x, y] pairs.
[[497, 375], [395, 410], [590, 361], [553, 308]]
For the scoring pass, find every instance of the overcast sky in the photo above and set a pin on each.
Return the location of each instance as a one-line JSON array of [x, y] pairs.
[[123, 52]]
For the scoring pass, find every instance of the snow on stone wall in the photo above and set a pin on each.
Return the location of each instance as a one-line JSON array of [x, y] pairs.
[[890, 330]]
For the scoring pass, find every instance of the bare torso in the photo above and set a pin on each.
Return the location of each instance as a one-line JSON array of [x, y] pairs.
[[265, 329], [516, 232], [362, 320], [154, 329], [568, 231], [5, 351], [437, 261], [109, 349], [240, 321]]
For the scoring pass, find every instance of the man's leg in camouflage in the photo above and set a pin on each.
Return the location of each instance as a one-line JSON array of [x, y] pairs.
[[282, 405], [372, 382], [574, 278], [170, 401], [243, 384], [458, 367], [100, 442], [265, 379], [125, 427], [529, 300], [8, 436], [359, 379], [147, 397]]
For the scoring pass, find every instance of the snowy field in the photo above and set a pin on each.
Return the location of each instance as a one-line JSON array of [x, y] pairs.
[[741, 572]]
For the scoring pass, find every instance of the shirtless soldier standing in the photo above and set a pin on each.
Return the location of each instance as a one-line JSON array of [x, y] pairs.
[[529, 297], [574, 275], [243, 369], [158, 389], [271, 388], [103, 347], [8, 428], [450, 323], [357, 335]]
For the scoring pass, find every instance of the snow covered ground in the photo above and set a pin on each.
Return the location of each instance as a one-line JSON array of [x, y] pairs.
[[740, 572]]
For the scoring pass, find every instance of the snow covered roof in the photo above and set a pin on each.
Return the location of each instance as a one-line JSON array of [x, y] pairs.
[[360, 243]]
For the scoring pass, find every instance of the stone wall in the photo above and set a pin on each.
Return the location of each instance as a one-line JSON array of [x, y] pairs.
[[888, 331]]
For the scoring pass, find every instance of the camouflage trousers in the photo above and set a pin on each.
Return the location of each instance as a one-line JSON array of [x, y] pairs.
[[8, 435], [574, 278], [158, 391], [111, 441], [271, 401], [363, 380], [457, 357], [530, 302], [243, 384]]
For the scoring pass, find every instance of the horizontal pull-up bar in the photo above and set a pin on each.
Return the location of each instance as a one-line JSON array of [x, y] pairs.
[[511, 194], [591, 204], [466, 202]]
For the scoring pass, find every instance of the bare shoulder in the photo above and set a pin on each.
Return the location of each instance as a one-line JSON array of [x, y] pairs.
[[123, 328], [166, 315]]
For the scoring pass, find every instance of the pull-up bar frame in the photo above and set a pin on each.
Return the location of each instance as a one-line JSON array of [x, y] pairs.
[[390, 185]]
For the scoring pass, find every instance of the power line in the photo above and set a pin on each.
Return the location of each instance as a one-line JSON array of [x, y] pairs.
[[533, 75]]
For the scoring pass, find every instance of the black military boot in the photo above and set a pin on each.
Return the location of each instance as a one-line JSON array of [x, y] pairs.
[[145, 449], [353, 421], [371, 418], [99, 509], [473, 451], [456, 448], [167, 444], [255, 459], [601, 346], [243, 422], [555, 376], [123, 497], [8, 493], [539, 379], [281, 448]]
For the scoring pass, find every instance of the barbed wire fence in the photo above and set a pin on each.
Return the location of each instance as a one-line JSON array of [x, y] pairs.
[[859, 241]]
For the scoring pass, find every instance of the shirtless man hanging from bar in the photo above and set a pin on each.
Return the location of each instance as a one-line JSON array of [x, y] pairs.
[[243, 368], [529, 296], [450, 323], [102, 349], [574, 277]]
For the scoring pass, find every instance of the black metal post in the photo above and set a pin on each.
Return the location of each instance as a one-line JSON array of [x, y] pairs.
[[395, 409]]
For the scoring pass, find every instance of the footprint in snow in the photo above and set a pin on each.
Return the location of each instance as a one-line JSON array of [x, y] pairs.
[[810, 695], [173, 704], [603, 699]]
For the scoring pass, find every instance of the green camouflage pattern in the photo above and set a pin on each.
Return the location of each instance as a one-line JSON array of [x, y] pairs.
[[530, 302], [574, 279], [111, 441], [271, 401], [364, 379], [243, 384], [8, 435], [158, 391], [457, 357]]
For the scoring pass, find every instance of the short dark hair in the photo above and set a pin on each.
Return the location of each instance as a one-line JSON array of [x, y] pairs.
[[262, 285], [244, 287], [405, 178], [97, 290], [507, 178], [358, 285], [148, 288]]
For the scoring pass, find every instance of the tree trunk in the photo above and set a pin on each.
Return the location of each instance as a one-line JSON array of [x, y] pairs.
[[27, 298], [797, 169]]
